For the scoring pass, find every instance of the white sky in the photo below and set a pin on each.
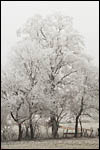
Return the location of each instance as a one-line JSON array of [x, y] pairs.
[[85, 13]]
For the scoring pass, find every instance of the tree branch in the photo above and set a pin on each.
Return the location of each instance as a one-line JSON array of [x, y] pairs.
[[60, 114], [66, 76], [13, 117], [63, 116], [43, 35]]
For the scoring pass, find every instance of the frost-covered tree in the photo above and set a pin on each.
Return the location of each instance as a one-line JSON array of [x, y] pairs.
[[61, 48], [47, 71], [26, 67], [85, 98], [12, 100]]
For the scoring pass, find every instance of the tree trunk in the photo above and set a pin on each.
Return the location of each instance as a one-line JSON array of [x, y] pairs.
[[31, 129], [76, 126], [81, 127], [20, 132], [77, 117], [54, 127], [27, 134]]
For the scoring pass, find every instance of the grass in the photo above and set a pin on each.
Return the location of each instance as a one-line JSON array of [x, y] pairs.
[[71, 143]]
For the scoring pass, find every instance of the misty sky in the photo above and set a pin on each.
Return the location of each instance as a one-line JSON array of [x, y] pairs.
[[85, 14]]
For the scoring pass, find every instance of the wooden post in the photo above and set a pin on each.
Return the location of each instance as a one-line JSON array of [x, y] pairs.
[[66, 132], [63, 133], [91, 132]]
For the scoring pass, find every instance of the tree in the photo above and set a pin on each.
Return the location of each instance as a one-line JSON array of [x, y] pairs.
[[12, 100], [25, 64], [46, 72], [84, 102], [22, 77], [62, 47]]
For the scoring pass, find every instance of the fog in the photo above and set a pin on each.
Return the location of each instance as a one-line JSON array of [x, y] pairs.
[[85, 18]]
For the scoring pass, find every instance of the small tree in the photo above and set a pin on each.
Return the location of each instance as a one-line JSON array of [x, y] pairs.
[[84, 101]]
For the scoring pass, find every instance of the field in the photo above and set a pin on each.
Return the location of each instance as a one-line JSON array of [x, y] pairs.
[[67, 143], [79, 143]]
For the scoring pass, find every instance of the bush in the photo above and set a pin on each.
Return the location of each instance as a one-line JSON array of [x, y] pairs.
[[7, 134]]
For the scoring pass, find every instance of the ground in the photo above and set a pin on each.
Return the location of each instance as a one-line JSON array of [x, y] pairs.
[[79, 143]]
